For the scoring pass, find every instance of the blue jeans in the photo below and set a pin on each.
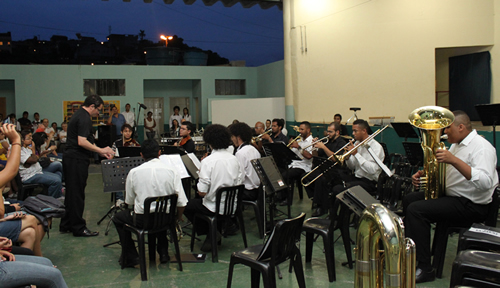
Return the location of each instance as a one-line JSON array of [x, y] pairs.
[[53, 180], [30, 270], [56, 168]]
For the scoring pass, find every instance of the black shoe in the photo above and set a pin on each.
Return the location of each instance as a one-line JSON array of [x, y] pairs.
[[164, 258], [318, 212], [64, 230], [129, 263], [86, 233], [207, 245], [231, 229], [421, 276]]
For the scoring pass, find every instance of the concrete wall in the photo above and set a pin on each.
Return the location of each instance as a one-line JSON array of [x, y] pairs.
[[378, 55]]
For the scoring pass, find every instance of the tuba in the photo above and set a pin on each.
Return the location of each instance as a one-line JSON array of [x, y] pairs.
[[431, 120], [379, 226]]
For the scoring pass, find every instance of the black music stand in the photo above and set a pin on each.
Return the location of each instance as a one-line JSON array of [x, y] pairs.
[[490, 116], [269, 176], [169, 149], [414, 153], [404, 129], [129, 152], [114, 177]]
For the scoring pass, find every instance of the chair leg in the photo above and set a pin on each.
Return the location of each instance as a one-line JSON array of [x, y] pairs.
[[152, 247], [300, 190], [230, 274], [330, 258], [176, 245], [213, 232], [255, 278], [242, 228], [193, 233], [142, 257], [309, 246], [299, 269], [440, 242], [260, 221], [344, 230]]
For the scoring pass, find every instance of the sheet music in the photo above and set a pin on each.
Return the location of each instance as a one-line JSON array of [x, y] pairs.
[[195, 160], [379, 162], [174, 161]]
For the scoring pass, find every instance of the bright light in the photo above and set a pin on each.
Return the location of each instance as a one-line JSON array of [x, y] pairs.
[[163, 37], [145, 52], [92, 64], [102, 43]]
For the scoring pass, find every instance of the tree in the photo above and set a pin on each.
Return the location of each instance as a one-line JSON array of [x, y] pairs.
[[142, 34]]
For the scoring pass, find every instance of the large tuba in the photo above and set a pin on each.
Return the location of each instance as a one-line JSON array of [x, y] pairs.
[[431, 120], [379, 225]]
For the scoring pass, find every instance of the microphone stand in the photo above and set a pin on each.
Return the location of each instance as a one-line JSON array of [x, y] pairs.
[[137, 121]]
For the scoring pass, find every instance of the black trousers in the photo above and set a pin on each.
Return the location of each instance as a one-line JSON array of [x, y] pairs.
[[290, 175], [195, 206], [320, 189], [420, 213], [76, 172], [128, 247]]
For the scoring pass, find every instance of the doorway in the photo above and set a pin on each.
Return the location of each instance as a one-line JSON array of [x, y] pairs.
[[155, 105], [182, 102]]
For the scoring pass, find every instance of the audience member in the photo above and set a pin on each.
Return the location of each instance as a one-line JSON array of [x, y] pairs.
[[62, 137], [35, 122], [185, 115], [116, 119], [175, 116], [24, 122], [150, 125], [129, 115], [174, 129]]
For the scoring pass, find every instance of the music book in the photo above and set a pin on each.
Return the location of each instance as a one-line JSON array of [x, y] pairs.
[[175, 161], [192, 165]]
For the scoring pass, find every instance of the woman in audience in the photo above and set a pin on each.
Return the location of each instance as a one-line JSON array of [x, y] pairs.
[[63, 133], [17, 226], [4, 147], [150, 125], [39, 141], [174, 130], [31, 172], [186, 116]]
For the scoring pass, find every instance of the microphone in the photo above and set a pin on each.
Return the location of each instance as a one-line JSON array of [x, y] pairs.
[[142, 105]]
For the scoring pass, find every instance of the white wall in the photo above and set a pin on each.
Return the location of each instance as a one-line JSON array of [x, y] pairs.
[[378, 55]]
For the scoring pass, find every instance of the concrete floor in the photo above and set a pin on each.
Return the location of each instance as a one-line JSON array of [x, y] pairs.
[[84, 262]]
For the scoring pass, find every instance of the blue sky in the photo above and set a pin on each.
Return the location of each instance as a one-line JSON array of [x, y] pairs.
[[252, 34]]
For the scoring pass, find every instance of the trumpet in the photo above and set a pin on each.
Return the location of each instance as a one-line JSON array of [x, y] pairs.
[[296, 128], [317, 141], [259, 137], [341, 158]]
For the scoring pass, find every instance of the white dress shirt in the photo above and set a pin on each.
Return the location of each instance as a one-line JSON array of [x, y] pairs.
[[129, 117], [27, 173], [245, 154], [186, 118], [219, 169], [304, 164], [150, 179], [363, 164], [481, 156]]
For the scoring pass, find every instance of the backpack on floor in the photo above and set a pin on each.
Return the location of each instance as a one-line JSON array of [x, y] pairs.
[[43, 207]]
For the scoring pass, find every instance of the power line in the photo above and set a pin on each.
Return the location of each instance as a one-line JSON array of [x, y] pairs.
[[51, 28]]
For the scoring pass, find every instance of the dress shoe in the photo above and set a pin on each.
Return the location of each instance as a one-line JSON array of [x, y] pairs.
[[86, 233], [164, 258], [318, 212], [207, 245], [64, 230], [129, 263], [421, 276]]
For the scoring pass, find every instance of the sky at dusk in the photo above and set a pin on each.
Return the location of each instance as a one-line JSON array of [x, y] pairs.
[[251, 34]]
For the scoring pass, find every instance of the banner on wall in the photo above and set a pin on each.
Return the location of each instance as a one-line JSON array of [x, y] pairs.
[[70, 108]]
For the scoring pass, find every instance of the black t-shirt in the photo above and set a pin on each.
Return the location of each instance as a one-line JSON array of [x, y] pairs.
[[24, 122], [280, 138], [343, 130], [79, 125], [189, 146], [333, 146]]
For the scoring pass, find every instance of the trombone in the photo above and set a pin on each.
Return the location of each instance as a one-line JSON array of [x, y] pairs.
[[259, 137], [340, 158], [317, 141]]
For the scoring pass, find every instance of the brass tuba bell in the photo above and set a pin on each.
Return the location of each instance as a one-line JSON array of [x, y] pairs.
[[431, 120]]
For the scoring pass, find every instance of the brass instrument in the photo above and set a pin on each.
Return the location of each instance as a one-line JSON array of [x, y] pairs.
[[294, 139], [259, 137], [431, 120], [317, 141], [341, 158], [379, 225], [321, 164]]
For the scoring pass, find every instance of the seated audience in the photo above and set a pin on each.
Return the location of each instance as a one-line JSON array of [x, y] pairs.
[[62, 137], [24, 122], [174, 129], [153, 178], [35, 122]]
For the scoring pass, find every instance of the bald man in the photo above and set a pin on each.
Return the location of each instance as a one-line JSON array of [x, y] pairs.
[[471, 179], [259, 129]]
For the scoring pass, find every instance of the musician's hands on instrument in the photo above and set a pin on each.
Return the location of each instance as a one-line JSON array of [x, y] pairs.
[[295, 145], [349, 148], [415, 178], [266, 137], [445, 156], [319, 145]]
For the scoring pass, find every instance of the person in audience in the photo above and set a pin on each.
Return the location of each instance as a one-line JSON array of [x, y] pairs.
[[220, 169], [12, 120], [185, 115], [153, 178], [36, 121], [175, 116], [56, 133], [79, 148], [150, 125], [4, 147], [174, 129], [116, 119], [24, 122], [25, 270], [338, 118], [186, 142], [471, 179], [129, 115], [62, 137], [18, 226], [39, 140], [48, 129], [241, 135], [31, 171]]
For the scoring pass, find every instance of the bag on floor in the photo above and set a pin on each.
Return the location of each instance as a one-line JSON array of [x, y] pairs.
[[43, 207]]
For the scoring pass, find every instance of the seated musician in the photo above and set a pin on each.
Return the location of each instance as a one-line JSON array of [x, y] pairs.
[[319, 189], [259, 129], [277, 135], [126, 140], [299, 167], [241, 135], [186, 142], [152, 178], [219, 169], [471, 178], [343, 130]]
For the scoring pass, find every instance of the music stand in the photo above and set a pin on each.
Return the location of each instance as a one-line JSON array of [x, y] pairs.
[[414, 153], [404, 129], [489, 117], [169, 149], [129, 152]]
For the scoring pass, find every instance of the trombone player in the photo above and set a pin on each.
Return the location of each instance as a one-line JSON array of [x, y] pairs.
[[303, 148], [320, 189]]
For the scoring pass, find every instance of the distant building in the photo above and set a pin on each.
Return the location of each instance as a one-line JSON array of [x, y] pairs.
[[5, 42]]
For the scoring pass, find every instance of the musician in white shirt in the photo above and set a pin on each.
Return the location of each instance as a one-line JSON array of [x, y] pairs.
[[220, 169]]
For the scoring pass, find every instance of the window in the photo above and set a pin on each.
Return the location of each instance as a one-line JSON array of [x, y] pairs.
[[1, 43], [230, 87], [104, 87]]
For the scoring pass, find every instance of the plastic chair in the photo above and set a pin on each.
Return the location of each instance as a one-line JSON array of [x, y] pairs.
[[259, 207], [476, 269], [163, 218], [24, 190], [324, 228], [279, 247], [232, 206], [443, 229]]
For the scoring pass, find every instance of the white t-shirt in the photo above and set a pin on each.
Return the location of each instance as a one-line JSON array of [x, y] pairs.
[[129, 117], [27, 173]]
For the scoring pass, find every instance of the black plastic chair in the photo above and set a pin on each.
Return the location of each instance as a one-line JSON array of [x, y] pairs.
[[444, 229], [324, 228], [232, 207], [476, 269], [279, 247], [164, 218], [259, 207], [25, 190]]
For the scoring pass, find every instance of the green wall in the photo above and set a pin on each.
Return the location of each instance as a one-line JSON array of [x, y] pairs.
[[7, 90]]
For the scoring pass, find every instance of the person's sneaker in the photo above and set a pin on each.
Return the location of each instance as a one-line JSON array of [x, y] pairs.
[[119, 203]]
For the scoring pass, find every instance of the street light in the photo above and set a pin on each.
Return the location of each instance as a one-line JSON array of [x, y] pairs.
[[166, 38]]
